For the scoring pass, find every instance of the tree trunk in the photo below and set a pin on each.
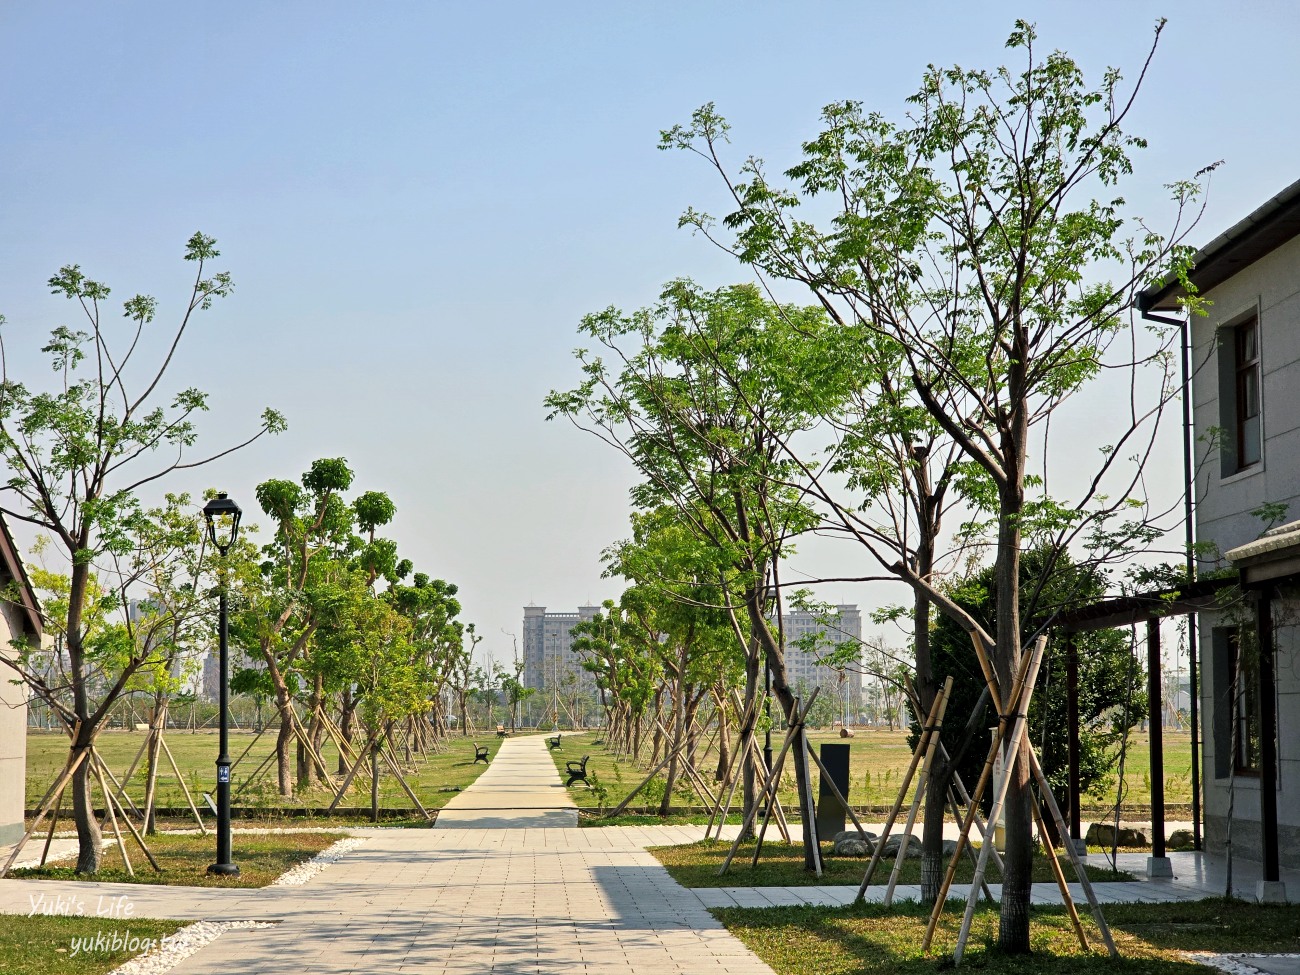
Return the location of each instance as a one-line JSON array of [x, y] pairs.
[[90, 840], [345, 726]]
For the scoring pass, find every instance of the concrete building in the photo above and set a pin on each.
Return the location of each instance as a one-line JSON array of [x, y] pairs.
[[20, 619], [808, 669], [548, 646], [1245, 358]]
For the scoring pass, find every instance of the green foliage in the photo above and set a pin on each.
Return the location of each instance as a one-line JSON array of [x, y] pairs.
[[1107, 669]]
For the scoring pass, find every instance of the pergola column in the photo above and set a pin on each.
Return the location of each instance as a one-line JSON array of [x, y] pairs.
[[1271, 889], [1158, 864]]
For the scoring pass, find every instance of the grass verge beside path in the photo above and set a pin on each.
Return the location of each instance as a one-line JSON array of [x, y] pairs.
[[870, 939], [185, 859], [43, 945], [435, 777], [781, 865], [878, 761]]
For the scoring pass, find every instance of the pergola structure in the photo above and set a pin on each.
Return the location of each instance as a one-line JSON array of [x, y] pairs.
[[1262, 566], [1148, 608]]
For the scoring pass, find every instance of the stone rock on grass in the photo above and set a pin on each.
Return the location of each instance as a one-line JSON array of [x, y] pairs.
[[851, 843], [1103, 835], [1181, 839]]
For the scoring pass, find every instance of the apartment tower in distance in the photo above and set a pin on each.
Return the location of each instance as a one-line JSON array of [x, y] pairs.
[[806, 670], [548, 646]]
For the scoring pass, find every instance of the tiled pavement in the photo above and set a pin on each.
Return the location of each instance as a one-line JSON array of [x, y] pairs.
[[506, 883], [497, 887]]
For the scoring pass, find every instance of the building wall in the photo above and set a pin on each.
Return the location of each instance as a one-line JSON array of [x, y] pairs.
[[806, 669], [548, 646], [13, 735], [1270, 289]]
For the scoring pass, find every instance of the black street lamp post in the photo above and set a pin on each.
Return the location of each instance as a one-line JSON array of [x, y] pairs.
[[222, 516]]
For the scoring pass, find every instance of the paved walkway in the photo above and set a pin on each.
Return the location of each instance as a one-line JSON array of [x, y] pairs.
[[479, 894], [507, 883]]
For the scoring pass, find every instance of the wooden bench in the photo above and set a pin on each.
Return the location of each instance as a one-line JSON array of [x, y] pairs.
[[577, 771], [553, 741], [480, 754], [501, 731]]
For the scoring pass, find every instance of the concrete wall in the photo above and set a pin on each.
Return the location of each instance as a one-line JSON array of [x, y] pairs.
[[1269, 289], [13, 735]]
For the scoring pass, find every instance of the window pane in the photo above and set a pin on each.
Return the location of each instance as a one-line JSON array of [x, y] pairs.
[[1249, 451]]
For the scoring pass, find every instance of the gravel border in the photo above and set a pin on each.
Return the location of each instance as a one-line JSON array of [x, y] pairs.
[[1237, 963], [177, 947], [303, 872]]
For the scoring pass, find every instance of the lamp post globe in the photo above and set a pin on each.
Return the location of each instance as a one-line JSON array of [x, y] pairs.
[[222, 517]]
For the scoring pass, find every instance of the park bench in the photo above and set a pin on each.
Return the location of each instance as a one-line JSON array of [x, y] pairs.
[[501, 731], [553, 741], [480, 754], [577, 771]]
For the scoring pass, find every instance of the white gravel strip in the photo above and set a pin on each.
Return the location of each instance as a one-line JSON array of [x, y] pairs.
[[179, 946], [303, 872], [1234, 964]]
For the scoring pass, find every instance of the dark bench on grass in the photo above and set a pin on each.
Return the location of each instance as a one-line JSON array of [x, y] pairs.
[[577, 771], [553, 741], [480, 754]]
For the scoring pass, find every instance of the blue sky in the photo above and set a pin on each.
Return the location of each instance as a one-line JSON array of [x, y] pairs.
[[418, 201]]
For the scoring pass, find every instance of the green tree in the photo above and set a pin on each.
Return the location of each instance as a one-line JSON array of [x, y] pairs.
[[78, 457], [986, 238], [705, 387]]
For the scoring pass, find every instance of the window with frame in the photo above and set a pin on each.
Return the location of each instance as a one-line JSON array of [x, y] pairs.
[[1243, 659], [1245, 364]]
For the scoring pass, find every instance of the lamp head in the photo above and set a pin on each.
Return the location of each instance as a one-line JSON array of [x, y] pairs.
[[222, 516]]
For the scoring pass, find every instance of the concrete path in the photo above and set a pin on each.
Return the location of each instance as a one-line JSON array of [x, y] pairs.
[[519, 790], [504, 883], [476, 895]]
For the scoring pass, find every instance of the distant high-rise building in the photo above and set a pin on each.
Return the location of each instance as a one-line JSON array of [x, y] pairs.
[[210, 687], [548, 646], [806, 667]]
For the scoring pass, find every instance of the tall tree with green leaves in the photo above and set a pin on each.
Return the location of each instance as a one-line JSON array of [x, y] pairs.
[[699, 393], [79, 456], [986, 236]]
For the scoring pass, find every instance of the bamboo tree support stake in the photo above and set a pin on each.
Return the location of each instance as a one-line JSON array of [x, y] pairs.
[[112, 816], [1011, 752], [627, 800], [1045, 789], [126, 779], [791, 736], [729, 779], [352, 772], [54, 820], [921, 782], [768, 787], [917, 754], [1059, 876], [257, 774], [1081, 871], [121, 788], [137, 837], [74, 762], [972, 806], [256, 739], [189, 798], [762, 774], [406, 786]]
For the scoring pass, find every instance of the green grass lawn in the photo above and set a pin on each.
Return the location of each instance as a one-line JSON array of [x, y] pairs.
[[878, 762], [185, 859], [435, 777], [781, 865], [41, 945], [874, 940]]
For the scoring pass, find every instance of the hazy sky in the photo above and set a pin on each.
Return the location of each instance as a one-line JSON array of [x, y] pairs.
[[418, 201]]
